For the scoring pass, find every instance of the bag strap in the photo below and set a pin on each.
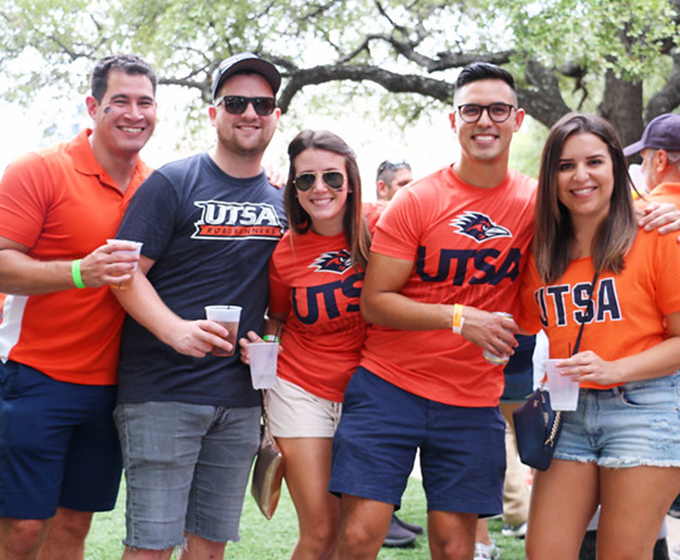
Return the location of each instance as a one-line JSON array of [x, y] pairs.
[[265, 412], [590, 305], [554, 429], [577, 344]]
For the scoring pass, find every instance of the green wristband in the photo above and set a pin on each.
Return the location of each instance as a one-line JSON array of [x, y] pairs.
[[75, 272], [271, 338]]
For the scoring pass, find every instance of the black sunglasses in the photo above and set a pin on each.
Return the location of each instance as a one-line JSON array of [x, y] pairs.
[[305, 181], [237, 104], [472, 112]]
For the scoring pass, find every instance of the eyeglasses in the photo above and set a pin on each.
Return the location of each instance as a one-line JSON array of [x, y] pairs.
[[305, 181], [472, 112], [393, 165], [237, 104]]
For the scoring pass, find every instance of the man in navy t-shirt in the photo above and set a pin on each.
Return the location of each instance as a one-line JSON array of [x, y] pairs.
[[189, 421]]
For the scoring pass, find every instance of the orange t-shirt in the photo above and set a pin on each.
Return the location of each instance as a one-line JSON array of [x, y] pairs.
[[61, 204], [629, 308], [313, 282], [665, 192], [468, 245], [372, 212]]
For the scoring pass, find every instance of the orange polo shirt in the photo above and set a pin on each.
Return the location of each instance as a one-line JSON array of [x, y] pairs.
[[61, 204]]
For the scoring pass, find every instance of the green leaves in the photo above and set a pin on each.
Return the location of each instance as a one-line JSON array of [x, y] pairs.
[[411, 47], [626, 36]]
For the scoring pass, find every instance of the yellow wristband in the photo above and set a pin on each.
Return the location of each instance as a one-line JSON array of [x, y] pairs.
[[75, 272], [458, 320]]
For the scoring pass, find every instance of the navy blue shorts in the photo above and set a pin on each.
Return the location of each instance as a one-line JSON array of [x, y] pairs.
[[462, 450], [58, 445]]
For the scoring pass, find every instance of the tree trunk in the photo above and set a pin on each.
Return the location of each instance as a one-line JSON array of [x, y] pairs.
[[622, 107]]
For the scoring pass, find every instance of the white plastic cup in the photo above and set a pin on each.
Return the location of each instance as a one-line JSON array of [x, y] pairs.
[[563, 389], [263, 357], [229, 317], [136, 252]]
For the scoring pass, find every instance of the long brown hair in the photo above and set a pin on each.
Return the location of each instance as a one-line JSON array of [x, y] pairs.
[[356, 230], [554, 229]]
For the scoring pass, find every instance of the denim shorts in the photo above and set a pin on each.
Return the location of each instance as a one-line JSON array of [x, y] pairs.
[[58, 445], [632, 425], [186, 468], [462, 450], [296, 413]]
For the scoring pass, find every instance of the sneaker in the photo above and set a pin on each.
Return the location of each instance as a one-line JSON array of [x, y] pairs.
[[519, 531], [486, 551], [417, 529], [398, 536]]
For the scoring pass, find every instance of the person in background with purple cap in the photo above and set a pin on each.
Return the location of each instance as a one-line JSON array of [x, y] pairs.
[[188, 421], [660, 151]]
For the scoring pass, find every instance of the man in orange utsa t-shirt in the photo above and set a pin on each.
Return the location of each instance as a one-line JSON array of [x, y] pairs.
[[458, 236], [448, 251], [60, 331]]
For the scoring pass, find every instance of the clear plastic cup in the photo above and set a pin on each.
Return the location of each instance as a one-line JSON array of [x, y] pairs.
[[136, 251], [263, 358], [563, 389], [229, 317]]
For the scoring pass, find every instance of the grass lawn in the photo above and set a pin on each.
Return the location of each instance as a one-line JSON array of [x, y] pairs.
[[273, 540]]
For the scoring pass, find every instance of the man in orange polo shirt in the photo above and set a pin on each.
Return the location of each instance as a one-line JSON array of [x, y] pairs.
[[60, 333]]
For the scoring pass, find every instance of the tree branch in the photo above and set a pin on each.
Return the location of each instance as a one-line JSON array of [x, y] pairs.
[[391, 81], [668, 97], [543, 100]]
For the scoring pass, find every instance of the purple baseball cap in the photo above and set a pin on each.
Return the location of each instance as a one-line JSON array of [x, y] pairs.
[[246, 61], [662, 133]]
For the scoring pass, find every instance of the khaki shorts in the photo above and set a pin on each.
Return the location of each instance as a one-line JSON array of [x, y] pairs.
[[296, 413]]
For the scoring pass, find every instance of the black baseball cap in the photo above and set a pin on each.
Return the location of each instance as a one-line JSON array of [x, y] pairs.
[[662, 133], [246, 61]]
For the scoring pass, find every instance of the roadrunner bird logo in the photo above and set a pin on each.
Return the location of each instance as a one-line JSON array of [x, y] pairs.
[[333, 261], [479, 227]]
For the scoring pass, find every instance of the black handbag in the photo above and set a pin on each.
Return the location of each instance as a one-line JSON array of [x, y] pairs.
[[268, 470], [537, 428], [537, 425]]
